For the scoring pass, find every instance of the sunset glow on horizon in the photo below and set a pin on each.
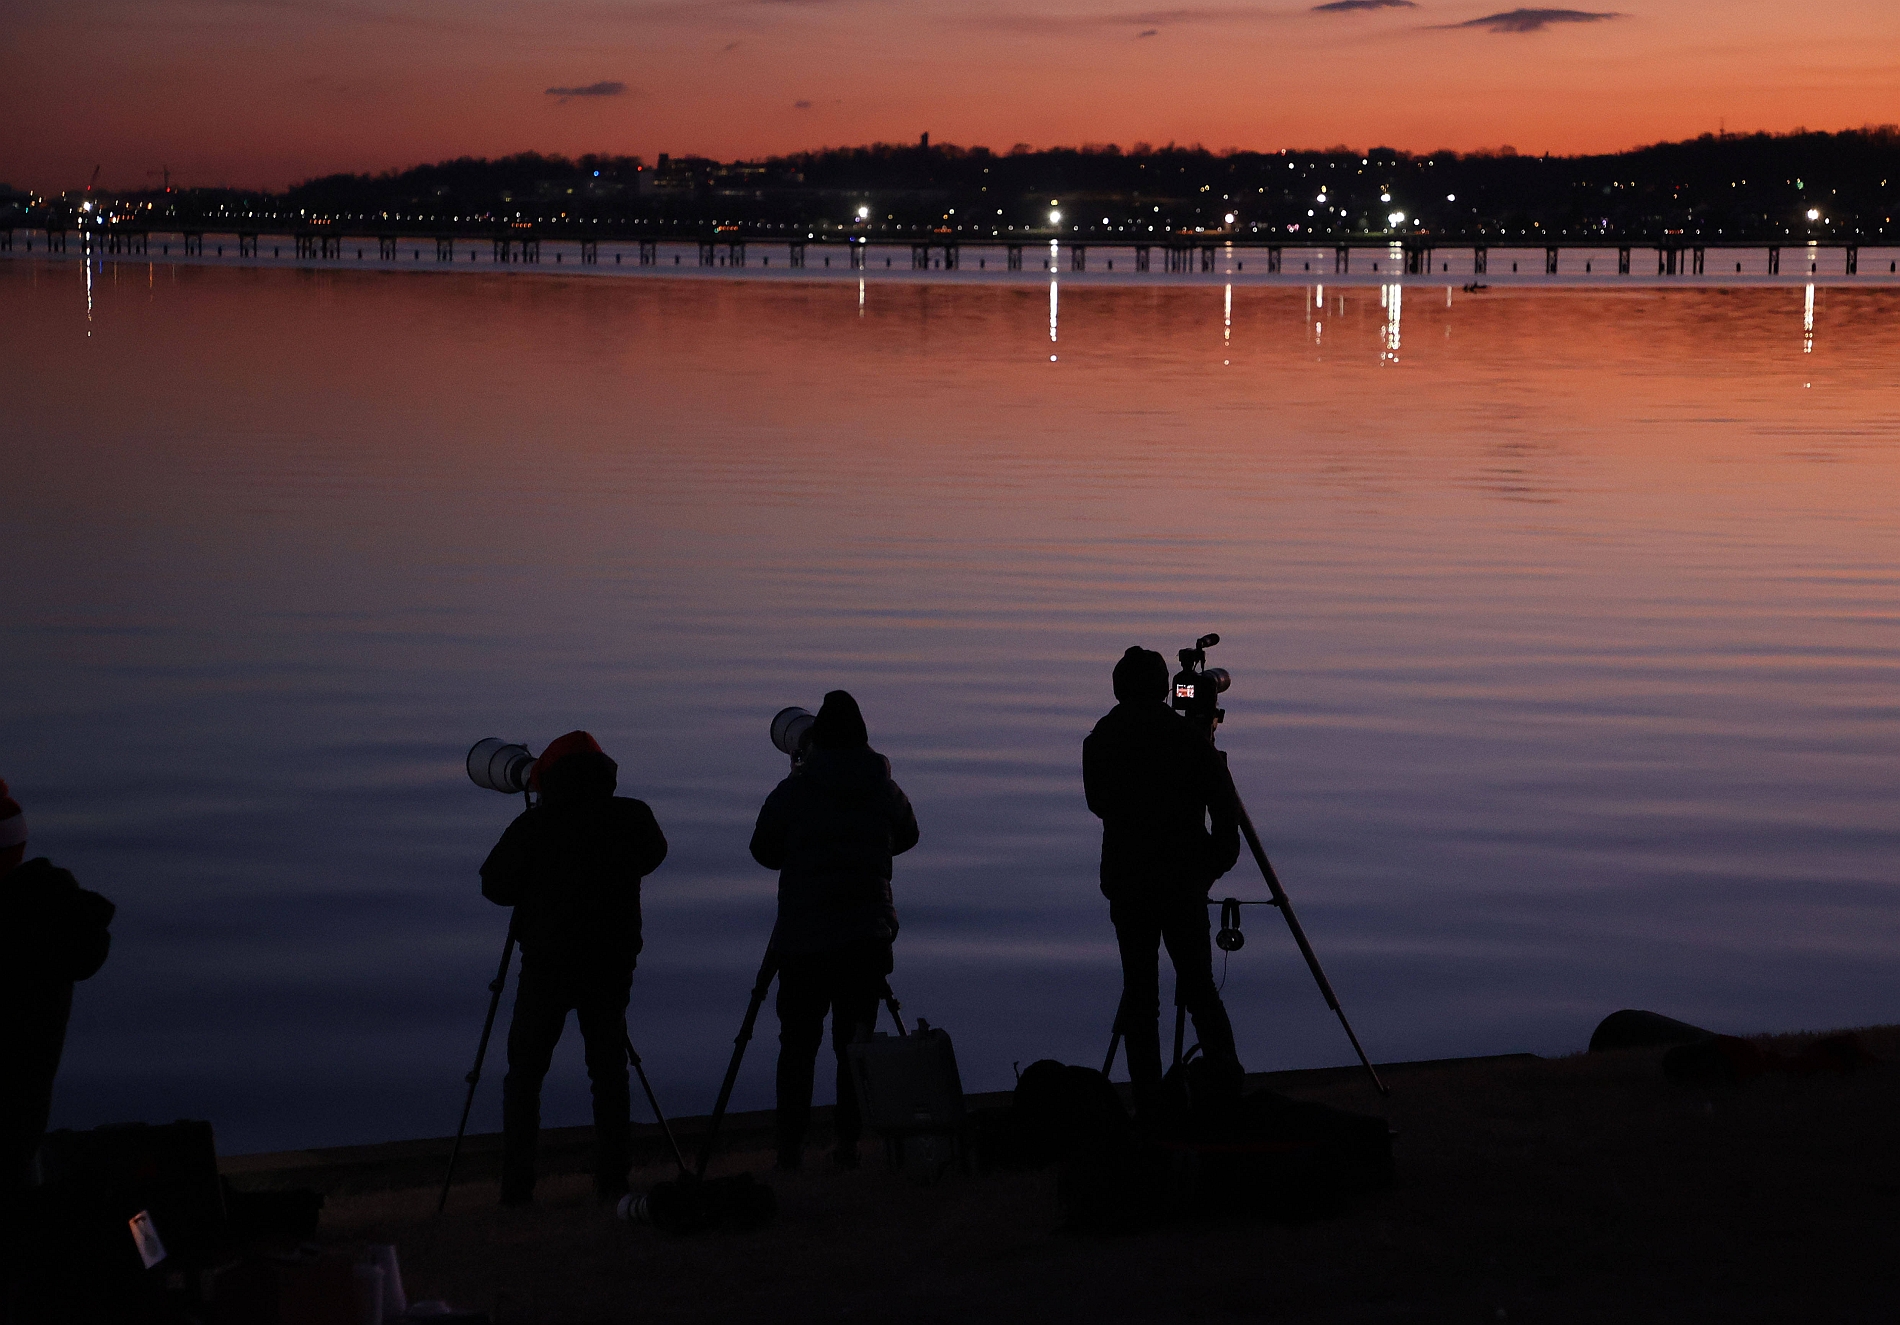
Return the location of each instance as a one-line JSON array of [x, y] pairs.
[[252, 93]]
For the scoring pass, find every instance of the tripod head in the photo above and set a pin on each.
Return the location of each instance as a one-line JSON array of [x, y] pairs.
[[1198, 687]]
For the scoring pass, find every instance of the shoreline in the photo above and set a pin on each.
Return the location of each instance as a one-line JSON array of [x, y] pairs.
[[764, 270], [1581, 1188]]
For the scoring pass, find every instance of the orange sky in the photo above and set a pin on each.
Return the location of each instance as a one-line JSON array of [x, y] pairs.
[[263, 92]]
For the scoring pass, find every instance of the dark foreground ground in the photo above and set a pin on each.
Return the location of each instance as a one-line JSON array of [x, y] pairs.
[[1586, 1188]]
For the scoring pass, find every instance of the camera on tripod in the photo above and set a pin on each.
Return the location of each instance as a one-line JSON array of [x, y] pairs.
[[1198, 687]]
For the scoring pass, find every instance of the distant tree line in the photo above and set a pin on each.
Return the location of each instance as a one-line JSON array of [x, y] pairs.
[[1803, 184]]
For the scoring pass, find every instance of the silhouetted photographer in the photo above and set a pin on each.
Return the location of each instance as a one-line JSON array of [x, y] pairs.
[[56, 934], [830, 830], [571, 868], [1169, 830]]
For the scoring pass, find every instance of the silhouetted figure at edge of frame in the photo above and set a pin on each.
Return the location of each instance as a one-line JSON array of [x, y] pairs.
[[830, 830], [1155, 783], [57, 934], [571, 868]]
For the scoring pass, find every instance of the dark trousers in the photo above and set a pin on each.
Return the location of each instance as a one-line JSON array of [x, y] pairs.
[[846, 982], [542, 1002], [1142, 925], [32, 1037]]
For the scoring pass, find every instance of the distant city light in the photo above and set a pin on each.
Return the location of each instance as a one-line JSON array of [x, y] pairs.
[[1054, 217], [1322, 197], [1396, 218], [864, 213], [1451, 197], [1813, 214], [1385, 197], [1230, 218]]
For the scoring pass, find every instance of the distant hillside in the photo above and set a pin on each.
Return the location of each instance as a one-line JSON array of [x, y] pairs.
[[1757, 185]]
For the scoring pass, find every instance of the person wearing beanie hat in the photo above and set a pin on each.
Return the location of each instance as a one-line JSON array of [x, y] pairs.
[[1157, 784], [830, 830], [57, 934], [571, 868]]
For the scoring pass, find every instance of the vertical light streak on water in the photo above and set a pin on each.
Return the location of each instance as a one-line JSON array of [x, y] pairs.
[[1392, 296], [1807, 322]]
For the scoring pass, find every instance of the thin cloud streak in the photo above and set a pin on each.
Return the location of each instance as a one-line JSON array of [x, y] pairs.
[[606, 88], [1532, 20], [1361, 6], [1152, 20]]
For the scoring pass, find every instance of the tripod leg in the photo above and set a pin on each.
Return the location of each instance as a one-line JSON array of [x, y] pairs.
[[475, 1073], [767, 970], [890, 1001], [1281, 900], [633, 1057], [1115, 1038]]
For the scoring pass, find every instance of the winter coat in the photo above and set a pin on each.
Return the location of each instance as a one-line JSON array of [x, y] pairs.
[[571, 867], [830, 830], [1154, 781], [58, 928]]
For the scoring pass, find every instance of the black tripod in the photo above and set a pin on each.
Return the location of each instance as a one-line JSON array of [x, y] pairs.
[[761, 986], [481, 1053]]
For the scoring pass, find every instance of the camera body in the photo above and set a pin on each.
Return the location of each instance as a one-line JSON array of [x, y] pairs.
[[1197, 687]]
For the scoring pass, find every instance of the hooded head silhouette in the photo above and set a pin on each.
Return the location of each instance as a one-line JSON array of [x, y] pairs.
[[1142, 674], [840, 724]]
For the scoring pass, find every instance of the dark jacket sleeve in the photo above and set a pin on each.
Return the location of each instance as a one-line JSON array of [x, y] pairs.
[[774, 828], [650, 846], [1094, 777], [505, 872], [87, 939], [1222, 814], [903, 821]]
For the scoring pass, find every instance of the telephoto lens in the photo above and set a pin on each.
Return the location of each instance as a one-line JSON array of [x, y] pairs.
[[790, 728], [498, 765]]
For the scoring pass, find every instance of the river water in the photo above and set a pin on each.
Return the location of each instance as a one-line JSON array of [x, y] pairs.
[[1563, 628]]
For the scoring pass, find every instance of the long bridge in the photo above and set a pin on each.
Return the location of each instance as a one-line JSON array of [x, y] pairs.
[[1178, 252]]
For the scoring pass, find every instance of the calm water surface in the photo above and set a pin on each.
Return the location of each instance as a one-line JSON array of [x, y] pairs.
[[1563, 629]]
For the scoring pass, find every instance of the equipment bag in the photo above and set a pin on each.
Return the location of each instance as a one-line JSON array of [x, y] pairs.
[[908, 1083], [910, 1094]]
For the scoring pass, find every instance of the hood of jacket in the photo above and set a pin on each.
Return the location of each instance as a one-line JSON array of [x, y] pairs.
[[582, 776]]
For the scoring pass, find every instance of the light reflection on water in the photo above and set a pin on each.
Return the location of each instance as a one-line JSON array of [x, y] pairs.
[[1564, 649]]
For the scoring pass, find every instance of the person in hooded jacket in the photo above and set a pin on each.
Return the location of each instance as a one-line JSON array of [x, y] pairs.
[[57, 934], [571, 869], [1157, 783], [830, 830]]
